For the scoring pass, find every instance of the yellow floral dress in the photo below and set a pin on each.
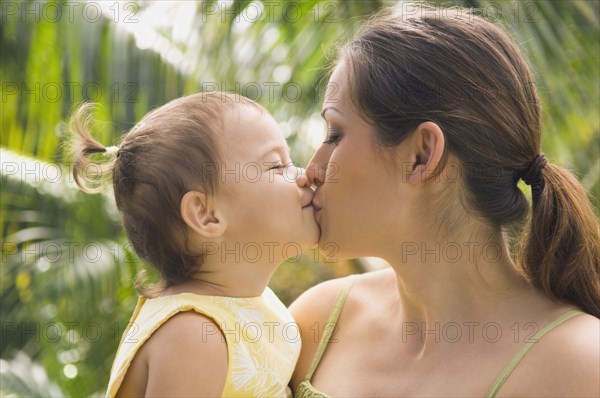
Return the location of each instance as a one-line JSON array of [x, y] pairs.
[[263, 340]]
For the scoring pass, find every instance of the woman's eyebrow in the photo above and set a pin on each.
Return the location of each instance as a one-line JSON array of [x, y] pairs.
[[329, 108]]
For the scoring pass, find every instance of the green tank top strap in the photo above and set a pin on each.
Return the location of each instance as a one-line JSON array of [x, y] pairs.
[[332, 319], [530, 342]]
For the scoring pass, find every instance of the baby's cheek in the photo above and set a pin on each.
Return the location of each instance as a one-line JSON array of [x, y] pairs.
[[275, 202]]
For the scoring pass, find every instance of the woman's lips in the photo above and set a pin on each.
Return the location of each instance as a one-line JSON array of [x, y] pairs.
[[316, 206]]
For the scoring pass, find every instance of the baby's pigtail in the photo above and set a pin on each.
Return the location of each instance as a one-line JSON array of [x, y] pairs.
[[90, 175]]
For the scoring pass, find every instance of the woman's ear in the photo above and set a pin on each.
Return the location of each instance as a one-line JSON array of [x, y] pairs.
[[427, 146], [205, 220]]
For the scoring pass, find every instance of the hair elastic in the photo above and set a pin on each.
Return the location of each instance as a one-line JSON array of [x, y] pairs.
[[111, 150], [531, 176]]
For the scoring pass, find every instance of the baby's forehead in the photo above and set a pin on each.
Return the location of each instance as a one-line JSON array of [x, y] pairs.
[[249, 128], [246, 110]]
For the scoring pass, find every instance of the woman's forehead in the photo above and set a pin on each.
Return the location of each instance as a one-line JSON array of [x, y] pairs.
[[337, 85]]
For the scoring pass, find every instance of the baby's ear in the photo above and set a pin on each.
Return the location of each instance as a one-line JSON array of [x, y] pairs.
[[200, 217]]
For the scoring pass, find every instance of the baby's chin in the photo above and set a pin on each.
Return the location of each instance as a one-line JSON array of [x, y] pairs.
[[311, 238], [310, 244], [314, 245]]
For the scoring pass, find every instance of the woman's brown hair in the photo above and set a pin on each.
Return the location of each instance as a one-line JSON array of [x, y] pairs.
[[169, 152], [468, 76]]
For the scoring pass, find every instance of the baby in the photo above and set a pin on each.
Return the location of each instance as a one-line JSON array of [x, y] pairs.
[[209, 198]]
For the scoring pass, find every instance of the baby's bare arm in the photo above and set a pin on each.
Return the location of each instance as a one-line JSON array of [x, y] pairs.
[[186, 358]]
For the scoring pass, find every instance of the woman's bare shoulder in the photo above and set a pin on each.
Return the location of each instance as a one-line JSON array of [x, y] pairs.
[[564, 362], [316, 303], [311, 311], [376, 279]]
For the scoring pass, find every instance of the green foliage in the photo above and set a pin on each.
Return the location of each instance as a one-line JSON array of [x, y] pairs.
[[66, 270]]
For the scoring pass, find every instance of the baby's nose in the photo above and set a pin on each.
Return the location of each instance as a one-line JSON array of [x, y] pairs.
[[306, 192], [302, 178]]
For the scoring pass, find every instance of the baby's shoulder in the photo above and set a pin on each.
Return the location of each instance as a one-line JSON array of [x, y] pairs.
[[187, 326], [173, 350], [169, 356]]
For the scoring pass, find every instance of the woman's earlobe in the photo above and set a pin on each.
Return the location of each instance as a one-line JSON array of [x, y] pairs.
[[203, 219]]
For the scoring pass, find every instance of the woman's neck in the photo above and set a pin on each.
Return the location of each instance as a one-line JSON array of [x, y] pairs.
[[455, 280]]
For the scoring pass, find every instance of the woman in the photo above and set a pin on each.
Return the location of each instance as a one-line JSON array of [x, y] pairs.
[[432, 122]]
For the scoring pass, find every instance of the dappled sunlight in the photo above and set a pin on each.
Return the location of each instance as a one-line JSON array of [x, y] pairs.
[[66, 277]]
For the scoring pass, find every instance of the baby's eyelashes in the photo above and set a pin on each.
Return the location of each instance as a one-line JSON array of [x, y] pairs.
[[291, 172]]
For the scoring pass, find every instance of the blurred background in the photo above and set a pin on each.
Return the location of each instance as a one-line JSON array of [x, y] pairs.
[[66, 271]]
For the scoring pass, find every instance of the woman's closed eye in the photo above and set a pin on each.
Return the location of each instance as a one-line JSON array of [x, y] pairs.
[[334, 137]]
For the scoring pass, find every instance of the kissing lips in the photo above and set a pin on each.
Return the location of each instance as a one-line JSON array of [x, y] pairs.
[[317, 208]]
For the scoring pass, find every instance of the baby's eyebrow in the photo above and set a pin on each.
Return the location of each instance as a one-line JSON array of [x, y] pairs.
[[282, 150]]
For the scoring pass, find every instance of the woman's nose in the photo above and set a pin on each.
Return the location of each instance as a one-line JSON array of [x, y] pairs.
[[317, 167]]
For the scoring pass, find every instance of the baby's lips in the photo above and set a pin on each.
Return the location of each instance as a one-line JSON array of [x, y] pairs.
[[306, 197]]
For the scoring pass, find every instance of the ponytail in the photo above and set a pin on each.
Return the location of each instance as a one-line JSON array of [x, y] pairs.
[[90, 176], [560, 252]]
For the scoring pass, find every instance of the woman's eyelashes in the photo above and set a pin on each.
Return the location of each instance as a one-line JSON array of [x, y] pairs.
[[334, 136]]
